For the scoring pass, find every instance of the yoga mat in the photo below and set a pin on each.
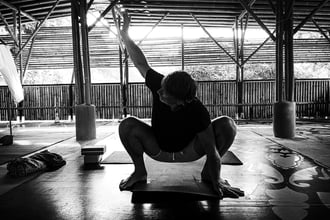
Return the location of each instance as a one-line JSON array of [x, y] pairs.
[[174, 183], [122, 157]]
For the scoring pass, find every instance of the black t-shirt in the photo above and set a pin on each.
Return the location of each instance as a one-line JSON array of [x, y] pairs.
[[175, 129]]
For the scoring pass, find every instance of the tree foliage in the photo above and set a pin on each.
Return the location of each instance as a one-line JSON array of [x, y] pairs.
[[258, 71], [219, 72]]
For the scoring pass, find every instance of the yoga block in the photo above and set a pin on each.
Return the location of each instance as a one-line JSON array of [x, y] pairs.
[[93, 150], [93, 154], [92, 159]]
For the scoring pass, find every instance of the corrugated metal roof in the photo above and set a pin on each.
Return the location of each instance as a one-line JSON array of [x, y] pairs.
[[220, 13]]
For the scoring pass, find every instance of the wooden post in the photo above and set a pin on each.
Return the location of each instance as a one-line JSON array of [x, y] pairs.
[[85, 111], [284, 114], [125, 85], [182, 47], [243, 31], [85, 48], [279, 50], [20, 45], [20, 105], [77, 63], [241, 55], [15, 26], [122, 78], [289, 62], [27, 62], [238, 67]]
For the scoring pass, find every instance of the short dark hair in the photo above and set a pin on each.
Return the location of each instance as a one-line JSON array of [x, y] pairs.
[[180, 85]]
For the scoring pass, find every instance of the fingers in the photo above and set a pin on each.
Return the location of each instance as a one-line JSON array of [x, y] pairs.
[[126, 16], [232, 192], [127, 21]]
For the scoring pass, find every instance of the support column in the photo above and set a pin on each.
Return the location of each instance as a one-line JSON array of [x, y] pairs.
[[85, 111], [239, 79], [182, 47], [284, 121], [125, 84]]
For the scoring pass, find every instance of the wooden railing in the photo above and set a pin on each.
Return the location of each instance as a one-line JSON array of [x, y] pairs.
[[220, 97]]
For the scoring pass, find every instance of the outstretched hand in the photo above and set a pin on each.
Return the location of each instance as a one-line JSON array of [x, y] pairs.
[[127, 21], [224, 189]]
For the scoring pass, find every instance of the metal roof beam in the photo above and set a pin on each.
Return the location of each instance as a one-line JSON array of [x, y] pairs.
[[311, 14], [262, 25], [245, 11], [8, 29], [17, 10], [149, 32], [106, 11], [216, 42], [38, 28], [320, 29]]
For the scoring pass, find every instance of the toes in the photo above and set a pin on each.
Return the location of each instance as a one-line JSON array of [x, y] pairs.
[[128, 184]]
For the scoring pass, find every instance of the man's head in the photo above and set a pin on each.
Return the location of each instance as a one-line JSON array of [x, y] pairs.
[[177, 88]]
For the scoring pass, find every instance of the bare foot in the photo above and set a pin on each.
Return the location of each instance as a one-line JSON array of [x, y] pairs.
[[127, 184]]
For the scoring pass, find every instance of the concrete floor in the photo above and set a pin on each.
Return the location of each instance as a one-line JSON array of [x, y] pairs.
[[282, 179]]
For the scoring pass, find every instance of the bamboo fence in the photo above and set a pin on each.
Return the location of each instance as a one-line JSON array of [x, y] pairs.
[[220, 97]]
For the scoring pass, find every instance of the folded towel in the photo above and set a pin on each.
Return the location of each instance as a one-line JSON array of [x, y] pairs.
[[53, 161], [20, 167], [43, 161]]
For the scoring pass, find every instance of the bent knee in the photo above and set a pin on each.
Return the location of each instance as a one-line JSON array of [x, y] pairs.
[[127, 125], [224, 125]]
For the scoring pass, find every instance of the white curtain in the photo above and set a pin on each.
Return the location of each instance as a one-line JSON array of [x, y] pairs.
[[9, 72]]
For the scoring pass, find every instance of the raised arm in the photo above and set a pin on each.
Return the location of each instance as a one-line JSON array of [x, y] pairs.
[[135, 53]]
